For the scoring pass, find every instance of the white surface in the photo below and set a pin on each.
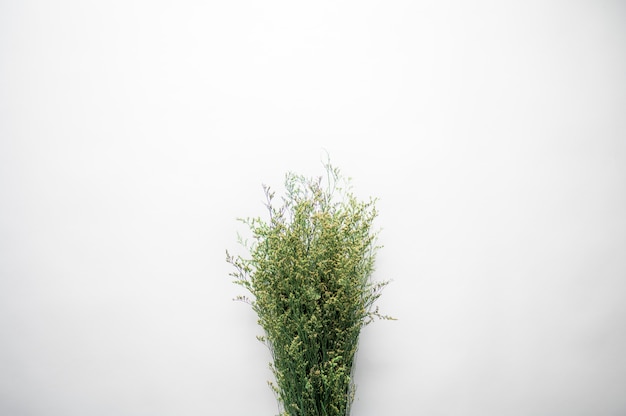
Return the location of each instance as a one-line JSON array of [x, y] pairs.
[[133, 133]]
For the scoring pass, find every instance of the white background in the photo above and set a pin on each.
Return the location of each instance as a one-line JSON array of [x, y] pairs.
[[133, 133]]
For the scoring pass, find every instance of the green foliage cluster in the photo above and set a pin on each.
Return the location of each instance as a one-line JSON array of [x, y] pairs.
[[309, 274]]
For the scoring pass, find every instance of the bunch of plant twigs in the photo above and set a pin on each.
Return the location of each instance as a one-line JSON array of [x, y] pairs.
[[309, 274]]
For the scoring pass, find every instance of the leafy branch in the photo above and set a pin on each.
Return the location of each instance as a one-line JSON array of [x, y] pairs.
[[309, 276]]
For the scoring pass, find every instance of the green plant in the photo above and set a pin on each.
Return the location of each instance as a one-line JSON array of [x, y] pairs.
[[309, 274]]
